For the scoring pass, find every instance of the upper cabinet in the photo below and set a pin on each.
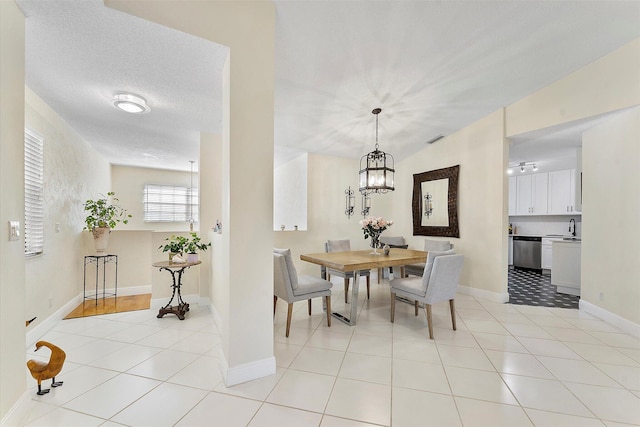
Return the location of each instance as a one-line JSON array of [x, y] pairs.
[[562, 192], [531, 194], [553, 193]]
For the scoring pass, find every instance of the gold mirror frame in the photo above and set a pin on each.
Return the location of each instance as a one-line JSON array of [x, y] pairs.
[[452, 230]]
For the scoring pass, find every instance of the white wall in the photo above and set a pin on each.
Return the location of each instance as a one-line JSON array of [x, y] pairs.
[[611, 204], [12, 266], [290, 194], [128, 183], [608, 84], [73, 173], [327, 179], [480, 150], [248, 28]]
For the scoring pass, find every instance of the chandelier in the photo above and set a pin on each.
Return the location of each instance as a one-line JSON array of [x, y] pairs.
[[376, 168]]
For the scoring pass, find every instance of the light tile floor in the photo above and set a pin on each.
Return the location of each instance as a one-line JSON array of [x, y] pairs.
[[507, 365]]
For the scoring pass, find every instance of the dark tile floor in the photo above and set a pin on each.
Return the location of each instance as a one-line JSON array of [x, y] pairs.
[[528, 287]]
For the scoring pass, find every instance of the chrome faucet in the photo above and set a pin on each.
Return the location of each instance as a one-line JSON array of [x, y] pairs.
[[572, 230]]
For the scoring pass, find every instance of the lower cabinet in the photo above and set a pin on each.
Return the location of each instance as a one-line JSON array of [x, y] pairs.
[[566, 275]]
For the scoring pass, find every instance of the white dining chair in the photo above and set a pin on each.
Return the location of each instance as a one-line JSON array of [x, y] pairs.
[[429, 245], [292, 288], [439, 282]]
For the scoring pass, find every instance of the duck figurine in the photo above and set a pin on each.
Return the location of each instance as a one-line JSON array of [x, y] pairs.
[[43, 371]]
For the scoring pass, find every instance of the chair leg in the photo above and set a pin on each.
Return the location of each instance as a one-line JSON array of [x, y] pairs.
[[453, 313], [393, 306], [328, 300], [416, 306], [289, 313], [402, 273], [346, 289], [427, 309], [379, 274], [275, 300], [309, 304], [328, 276], [368, 286]]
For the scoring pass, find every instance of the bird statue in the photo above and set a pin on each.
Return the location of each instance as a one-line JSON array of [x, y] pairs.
[[43, 371], [29, 321]]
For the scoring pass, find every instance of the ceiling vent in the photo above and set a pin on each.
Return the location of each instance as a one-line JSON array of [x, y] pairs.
[[437, 138]]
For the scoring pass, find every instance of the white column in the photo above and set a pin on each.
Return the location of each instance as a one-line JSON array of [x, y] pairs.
[[245, 254]]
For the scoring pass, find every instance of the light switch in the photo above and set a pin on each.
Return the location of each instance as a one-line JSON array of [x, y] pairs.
[[14, 230]]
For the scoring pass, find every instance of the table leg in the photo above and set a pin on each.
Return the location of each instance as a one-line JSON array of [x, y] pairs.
[[353, 313]]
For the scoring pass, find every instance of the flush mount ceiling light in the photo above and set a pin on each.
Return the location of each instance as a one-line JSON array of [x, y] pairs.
[[377, 174], [522, 166], [130, 103]]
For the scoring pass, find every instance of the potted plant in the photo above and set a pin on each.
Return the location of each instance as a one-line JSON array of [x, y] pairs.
[[193, 245], [175, 245], [103, 215]]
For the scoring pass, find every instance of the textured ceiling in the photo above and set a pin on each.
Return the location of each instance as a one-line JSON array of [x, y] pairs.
[[432, 66]]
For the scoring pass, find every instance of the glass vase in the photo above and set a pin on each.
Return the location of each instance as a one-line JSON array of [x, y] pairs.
[[375, 244]]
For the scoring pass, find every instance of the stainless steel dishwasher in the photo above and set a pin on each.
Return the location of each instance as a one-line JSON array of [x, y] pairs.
[[527, 252]]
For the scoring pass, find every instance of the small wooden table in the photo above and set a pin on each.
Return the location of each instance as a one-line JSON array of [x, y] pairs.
[[362, 260], [175, 268]]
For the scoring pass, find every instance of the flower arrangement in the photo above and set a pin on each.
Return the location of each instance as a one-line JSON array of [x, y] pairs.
[[373, 227]]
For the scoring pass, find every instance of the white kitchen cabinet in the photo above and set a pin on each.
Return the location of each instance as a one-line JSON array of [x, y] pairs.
[[562, 192], [547, 255], [566, 274], [512, 195], [531, 194], [547, 252]]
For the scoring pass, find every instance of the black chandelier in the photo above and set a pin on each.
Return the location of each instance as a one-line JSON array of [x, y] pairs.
[[376, 168]]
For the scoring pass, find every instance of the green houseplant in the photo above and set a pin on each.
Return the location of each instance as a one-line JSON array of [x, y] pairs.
[[179, 245], [104, 214], [175, 245], [194, 244]]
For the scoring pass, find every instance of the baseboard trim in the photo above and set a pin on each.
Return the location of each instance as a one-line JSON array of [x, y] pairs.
[[25, 396], [247, 371], [47, 324], [487, 295], [613, 319]]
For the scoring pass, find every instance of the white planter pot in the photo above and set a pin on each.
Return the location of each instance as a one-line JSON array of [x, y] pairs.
[[192, 257], [101, 238]]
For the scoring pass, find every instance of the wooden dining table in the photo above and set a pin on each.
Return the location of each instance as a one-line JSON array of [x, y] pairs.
[[357, 261]]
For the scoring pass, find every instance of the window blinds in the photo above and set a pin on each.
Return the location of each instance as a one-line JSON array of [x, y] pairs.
[[33, 193], [170, 203]]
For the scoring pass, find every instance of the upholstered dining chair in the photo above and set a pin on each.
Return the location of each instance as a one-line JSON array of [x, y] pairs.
[[429, 245], [292, 288], [439, 282], [393, 242], [342, 246]]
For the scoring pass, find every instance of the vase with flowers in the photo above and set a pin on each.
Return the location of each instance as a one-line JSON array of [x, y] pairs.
[[373, 227]]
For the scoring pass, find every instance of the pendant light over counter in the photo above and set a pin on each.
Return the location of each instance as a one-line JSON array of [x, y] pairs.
[[376, 168]]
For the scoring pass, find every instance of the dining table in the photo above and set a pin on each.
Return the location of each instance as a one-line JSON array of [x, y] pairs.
[[357, 261]]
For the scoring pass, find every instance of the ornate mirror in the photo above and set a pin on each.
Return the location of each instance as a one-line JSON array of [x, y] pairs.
[[435, 203]]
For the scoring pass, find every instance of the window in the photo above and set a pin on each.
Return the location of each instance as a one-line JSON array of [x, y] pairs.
[[170, 203], [33, 193]]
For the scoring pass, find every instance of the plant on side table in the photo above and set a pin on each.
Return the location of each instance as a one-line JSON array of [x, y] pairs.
[[179, 245], [103, 215], [193, 246]]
